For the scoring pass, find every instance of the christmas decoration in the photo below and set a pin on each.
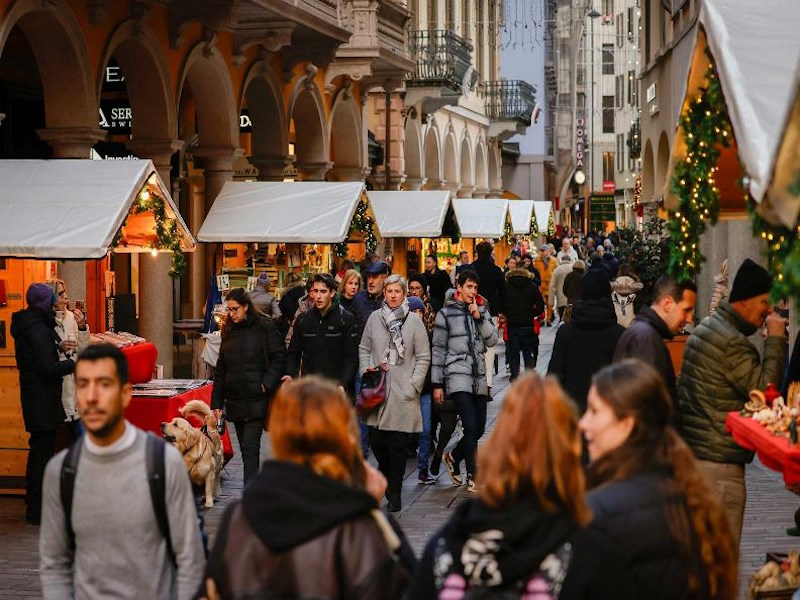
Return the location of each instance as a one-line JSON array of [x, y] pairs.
[[637, 196], [647, 250], [706, 128], [534, 225], [362, 223], [551, 225], [783, 255]]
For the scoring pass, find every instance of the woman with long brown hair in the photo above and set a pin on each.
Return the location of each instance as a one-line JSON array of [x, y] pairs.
[[308, 525], [526, 534], [648, 493]]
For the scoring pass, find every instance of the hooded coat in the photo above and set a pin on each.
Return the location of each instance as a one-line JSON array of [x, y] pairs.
[[492, 284], [265, 302], [296, 534], [486, 553], [524, 302], [584, 346], [459, 347], [40, 370]]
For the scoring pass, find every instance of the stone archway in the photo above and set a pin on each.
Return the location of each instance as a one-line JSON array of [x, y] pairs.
[[648, 173], [662, 165], [347, 140], [433, 163], [412, 149], [311, 143], [263, 98], [451, 162], [467, 169]]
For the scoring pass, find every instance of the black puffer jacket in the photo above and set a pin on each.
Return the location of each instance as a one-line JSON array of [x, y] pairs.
[[492, 284], [634, 513], [252, 355], [40, 370], [524, 301], [584, 346]]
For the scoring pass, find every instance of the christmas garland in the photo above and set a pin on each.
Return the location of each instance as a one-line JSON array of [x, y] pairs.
[[362, 223], [534, 225], [705, 127]]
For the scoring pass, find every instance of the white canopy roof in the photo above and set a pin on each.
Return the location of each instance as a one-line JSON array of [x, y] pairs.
[[409, 214], [520, 212], [72, 208], [481, 217], [306, 212], [542, 209]]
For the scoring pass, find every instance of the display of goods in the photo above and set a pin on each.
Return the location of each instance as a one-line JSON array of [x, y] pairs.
[[121, 339], [778, 578], [773, 412]]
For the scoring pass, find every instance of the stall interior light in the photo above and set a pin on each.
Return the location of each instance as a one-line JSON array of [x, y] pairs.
[[154, 252]]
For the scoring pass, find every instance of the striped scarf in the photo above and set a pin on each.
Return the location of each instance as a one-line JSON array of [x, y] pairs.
[[394, 319]]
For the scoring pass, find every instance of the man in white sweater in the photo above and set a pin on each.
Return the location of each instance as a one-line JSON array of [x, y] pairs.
[[119, 550]]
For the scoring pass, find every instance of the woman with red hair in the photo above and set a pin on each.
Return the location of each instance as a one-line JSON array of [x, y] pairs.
[[526, 534]]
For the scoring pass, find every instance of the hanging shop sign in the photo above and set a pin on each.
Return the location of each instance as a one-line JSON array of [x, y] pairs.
[[580, 135], [602, 208]]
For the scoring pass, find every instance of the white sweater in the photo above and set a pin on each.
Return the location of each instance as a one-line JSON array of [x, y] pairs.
[[67, 325]]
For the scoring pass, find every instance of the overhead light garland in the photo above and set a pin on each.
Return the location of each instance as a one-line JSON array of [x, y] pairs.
[[637, 196], [706, 128], [362, 223]]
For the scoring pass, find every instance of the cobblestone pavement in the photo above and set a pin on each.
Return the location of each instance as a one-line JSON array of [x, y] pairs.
[[770, 510]]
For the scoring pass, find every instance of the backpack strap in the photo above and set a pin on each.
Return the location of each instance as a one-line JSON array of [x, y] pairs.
[[69, 470], [156, 478]]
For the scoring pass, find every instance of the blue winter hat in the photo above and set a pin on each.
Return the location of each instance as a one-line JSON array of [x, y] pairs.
[[415, 303], [41, 296]]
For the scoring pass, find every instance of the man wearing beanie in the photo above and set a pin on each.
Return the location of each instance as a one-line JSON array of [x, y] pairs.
[[263, 300], [40, 376], [720, 367]]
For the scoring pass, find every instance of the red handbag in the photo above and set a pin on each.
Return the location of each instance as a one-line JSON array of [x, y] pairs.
[[373, 392]]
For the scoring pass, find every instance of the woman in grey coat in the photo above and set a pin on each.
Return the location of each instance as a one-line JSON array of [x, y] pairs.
[[396, 341]]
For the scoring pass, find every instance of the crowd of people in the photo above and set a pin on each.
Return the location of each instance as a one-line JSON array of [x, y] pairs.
[[610, 478]]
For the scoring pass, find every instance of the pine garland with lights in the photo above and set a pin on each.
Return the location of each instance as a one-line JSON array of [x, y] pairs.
[[534, 225], [637, 191], [362, 223], [551, 225], [783, 255], [706, 127]]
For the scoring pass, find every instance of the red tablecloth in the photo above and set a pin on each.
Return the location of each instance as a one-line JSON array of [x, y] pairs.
[[775, 452], [141, 361], [148, 413]]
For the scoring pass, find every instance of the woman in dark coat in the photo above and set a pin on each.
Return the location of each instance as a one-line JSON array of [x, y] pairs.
[[587, 343], [252, 360], [648, 494]]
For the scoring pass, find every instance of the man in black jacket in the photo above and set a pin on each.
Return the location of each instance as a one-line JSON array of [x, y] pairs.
[[493, 289], [40, 376], [438, 282], [524, 303], [672, 307], [325, 340]]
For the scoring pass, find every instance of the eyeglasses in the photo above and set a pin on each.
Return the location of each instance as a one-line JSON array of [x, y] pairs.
[[232, 309], [62, 293]]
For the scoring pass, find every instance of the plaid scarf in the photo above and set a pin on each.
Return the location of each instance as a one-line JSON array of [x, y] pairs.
[[394, 319]]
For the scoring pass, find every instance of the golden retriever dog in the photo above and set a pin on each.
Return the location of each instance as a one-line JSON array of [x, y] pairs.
[[202, 450]]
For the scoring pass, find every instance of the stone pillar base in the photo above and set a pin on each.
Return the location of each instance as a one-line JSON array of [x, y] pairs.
[[155, 305]]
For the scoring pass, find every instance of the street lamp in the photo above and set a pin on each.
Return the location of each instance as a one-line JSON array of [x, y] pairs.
[[592, 14]]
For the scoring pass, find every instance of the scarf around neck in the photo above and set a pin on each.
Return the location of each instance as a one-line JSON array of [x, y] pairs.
[[394, 319]]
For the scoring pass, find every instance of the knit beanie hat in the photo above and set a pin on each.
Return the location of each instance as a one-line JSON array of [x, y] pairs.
[[415, 303], [751, 280], [263, 280], [41, 296], [595, 285], [420, 279]]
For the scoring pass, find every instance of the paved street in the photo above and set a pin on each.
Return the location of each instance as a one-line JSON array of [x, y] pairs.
[[770, 511]]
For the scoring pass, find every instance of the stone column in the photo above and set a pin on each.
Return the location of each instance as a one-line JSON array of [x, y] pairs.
[[396, 134], [160, 151], [414, 184], [348, 174], [480, 193], [270, 168], [155, 305], [197, 213], [313, 171], [466, 191]]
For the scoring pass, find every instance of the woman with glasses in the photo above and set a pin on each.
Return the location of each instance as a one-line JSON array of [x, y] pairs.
[[252, 360]]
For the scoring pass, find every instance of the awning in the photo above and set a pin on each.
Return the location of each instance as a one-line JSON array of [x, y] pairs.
[[305, 212], [756, 50], [520, 212], [73, 209], [542, 209], [481, 217], [409, 214]]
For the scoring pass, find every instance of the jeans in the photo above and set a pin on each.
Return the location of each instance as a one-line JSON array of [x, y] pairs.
[[390, 451], [425, 436], [472, 410], [42, 447], [249, 435], [525, 340]]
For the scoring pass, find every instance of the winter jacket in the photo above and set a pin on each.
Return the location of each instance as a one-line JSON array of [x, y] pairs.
[[720, 367], [635, 513], [405, 380], [573, 286], [265, 302], [523, 300], [364, 304], [612, 264], [40, 370], [325, 345], [459, 347], [546, 268], [347, 304], [486, 553], [584, 346], [644, 340], [66, 325], [438, 284], [492, 284], [252, 359], [557, 284], [296, 534]]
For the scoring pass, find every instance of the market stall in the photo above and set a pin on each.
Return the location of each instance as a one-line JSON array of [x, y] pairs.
[[408, 218], [60, 210]]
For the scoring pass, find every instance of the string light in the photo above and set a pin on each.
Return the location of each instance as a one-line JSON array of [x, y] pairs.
[[362, 223]]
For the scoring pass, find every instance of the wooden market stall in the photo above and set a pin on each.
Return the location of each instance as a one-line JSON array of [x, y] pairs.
[[481, 219], [58, 210]]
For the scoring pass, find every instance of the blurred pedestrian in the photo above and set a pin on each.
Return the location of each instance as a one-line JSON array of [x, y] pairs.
[[572, 287], [546, 264], [438, 281], [293, 292], [263, 300], [493, 290], [349, 286], [418, 286], [463, 263], [370, 299], [557, 285], [308, 525], [623, 294], [648, 493], [567, 250], [526, 534], [523, 305], [425, 441]]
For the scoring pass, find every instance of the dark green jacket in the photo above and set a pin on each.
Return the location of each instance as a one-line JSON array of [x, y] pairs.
[[720, 367]]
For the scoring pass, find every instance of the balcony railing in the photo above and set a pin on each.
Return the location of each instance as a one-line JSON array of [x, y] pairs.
[[510, 100], [442, 58]]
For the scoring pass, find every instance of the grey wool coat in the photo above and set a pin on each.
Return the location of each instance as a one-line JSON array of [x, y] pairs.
[[458, 365], [401, 411]]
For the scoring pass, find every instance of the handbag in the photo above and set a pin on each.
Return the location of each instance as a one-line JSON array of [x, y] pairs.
[[373, 390]]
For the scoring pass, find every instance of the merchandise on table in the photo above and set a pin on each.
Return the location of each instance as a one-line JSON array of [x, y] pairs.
[[778, 416], [122, 339], [778, 578], [165, 388]]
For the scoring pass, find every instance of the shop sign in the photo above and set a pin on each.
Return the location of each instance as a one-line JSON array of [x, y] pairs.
[[602, 208], [116, 116], [245, 122], [580, 134], [609, 186]]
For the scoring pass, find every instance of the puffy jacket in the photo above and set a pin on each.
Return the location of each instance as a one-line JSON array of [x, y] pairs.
[[720, 367], [325, 345], [459, 346], [40, 370], [265, 302], [492, 284], [523, 300], [296, 534], [635, 514], [252, 355]]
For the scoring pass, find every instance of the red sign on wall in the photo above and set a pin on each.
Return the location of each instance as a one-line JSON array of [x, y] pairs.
[[609, 186]]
